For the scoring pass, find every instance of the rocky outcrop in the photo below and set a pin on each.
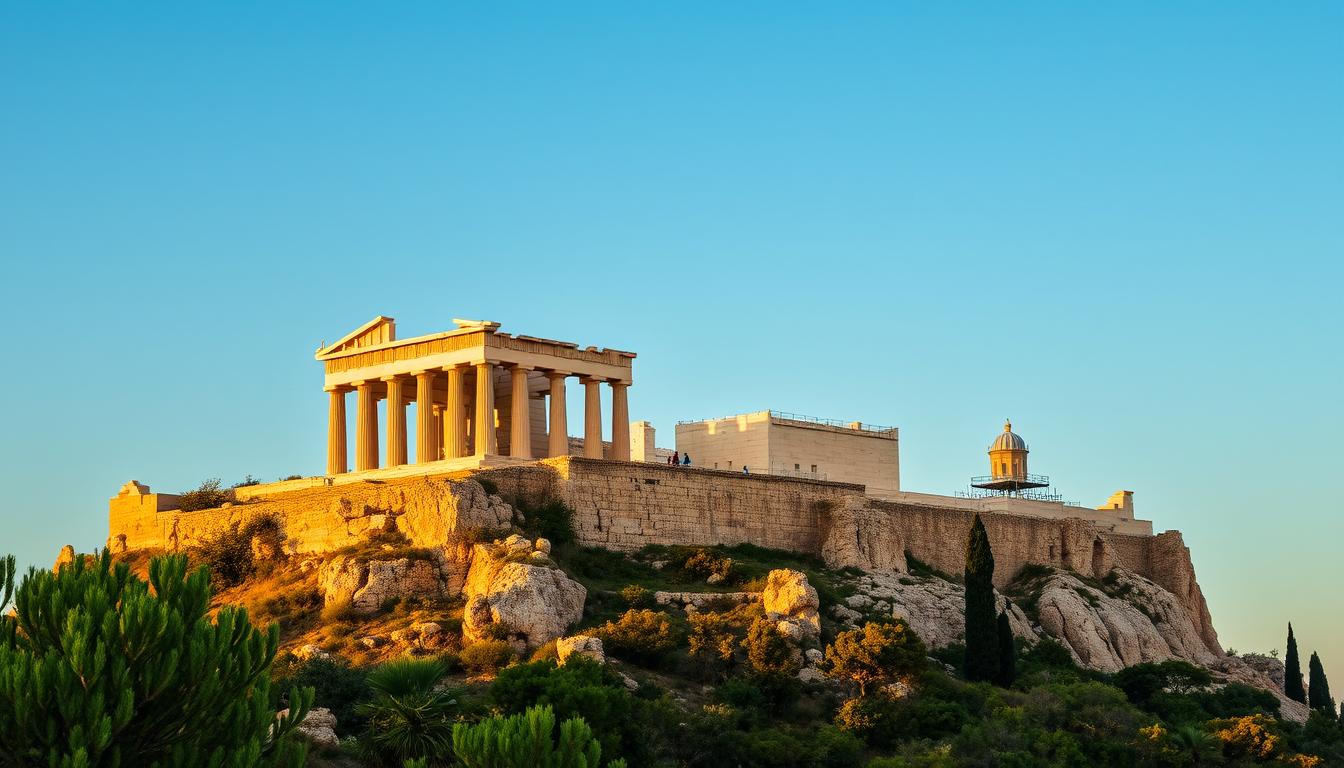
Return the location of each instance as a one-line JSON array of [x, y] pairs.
[[582, 645], [369, 584], [1170, 567], [66, 556], [792, 602], [1130, 621], [506, 586], [1261, 672], [858, 536], [934, 608]]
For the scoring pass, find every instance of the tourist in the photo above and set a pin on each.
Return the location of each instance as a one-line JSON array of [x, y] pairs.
[[685, 459], [674, 459], [744, 470]]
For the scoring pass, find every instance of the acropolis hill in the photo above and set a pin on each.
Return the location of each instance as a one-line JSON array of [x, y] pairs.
[[490, 408]]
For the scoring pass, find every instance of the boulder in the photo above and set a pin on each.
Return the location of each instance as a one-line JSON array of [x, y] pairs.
[[811, 675], [543, 546], [788, 598], [310, 651], [695, 600], [583, 645], [537, 603], [856, 535], [66, 556], [318, 728]]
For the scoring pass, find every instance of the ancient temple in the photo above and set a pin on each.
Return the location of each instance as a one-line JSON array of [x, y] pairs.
[[477, 392]]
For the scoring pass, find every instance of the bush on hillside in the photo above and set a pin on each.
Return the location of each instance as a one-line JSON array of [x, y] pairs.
[[208, 495], [639, 635], [486, 656]]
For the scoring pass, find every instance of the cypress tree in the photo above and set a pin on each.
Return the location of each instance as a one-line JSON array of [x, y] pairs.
[[1292, 671], [1318, 695], [982, 637], [1007, 653]]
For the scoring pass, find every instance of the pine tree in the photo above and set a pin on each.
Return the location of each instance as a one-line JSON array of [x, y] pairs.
[[1007, 653], [1292, 671], [982, 642], [1318, 695], [526, 741], [99, 668]]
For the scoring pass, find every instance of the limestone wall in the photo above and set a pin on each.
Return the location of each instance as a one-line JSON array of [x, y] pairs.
[[626, 505]]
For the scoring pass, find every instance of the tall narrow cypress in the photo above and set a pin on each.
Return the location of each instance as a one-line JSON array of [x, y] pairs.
[[1292, 671], [1318, 695], [1007, 653], [982, 637]]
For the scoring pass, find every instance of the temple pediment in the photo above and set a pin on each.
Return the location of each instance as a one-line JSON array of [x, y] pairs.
[[379, 330]]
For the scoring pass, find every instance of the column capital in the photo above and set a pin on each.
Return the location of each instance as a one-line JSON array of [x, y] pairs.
[[393, 377], [585, 379], [619, 382], [519, 367], [339, 389], [556, 373]]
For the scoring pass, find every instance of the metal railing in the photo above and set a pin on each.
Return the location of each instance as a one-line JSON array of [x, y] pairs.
[[786, 416], [1042, 479]]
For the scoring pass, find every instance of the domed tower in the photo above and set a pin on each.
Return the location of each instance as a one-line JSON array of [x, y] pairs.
[[1008, 466], [1008, 455]]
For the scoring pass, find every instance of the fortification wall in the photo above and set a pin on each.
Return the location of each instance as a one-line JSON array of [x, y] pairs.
[[626, 505]]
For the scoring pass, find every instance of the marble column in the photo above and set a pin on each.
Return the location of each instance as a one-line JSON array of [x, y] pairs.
[[336, 458], [559, 437], [485, 409], [520, 423], [396, 421], [620, 422], [366, 427], [455, 419], [592, 418], [438, 431], [425, 449]]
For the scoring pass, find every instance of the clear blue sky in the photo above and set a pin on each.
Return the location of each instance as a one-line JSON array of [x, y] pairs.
[[1121, 226]]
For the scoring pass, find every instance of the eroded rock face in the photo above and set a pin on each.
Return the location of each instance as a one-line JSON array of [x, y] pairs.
[[1137, 622], [934, 608], [368, 584], [861, 537], [67, 555], [790, 600], [536, 602], [1260, 672]]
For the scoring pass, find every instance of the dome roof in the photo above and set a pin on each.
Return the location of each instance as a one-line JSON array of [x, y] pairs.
[[1008, 440]]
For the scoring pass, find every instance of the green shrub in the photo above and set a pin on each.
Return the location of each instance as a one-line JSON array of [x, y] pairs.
[[877, 654], [228, 554], [550, 519], [641, 636], [703, 564], [637, 596], [486, 656], [582, 688], [101, 668], [336, 685], [769, 652], [713, 643], [208, 495], [410, 716], [528, 740]]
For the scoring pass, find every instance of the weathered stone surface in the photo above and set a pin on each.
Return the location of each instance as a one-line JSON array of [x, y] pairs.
[[934, 608], [66, 556], [1109, 633], [859, 536], [790, 599], [1259, 672], [543, 546], [537, 603], [692, 600], [368, 584], [318, 728], [583, 645], [309, 651], [811, 675]]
